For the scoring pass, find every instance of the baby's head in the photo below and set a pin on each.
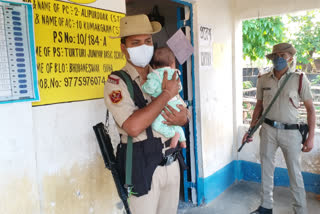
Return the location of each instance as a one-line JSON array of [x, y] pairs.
[[163, 57]]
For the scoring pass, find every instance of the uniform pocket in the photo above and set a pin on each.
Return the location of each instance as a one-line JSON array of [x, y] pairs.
[[267, 97], [294, 99]]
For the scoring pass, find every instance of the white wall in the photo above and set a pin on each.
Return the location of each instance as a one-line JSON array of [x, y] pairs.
[[214, 87], [49, 158], [71, 173], [18, 171], [248, 9]]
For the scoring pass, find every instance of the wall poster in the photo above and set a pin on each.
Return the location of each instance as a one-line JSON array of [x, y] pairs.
[[206, 47], [74, 52]]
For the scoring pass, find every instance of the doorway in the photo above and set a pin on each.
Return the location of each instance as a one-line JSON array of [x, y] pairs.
[[173, 15]]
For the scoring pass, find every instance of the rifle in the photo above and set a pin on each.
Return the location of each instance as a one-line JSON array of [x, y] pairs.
[[110, 161], [251, 131]]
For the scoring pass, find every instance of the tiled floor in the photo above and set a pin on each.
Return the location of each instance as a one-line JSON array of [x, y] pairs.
[[243, 197]]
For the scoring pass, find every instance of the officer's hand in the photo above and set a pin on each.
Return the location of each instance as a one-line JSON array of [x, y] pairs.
[[245, 138], [174, 117], [308, 145], [172, 86]]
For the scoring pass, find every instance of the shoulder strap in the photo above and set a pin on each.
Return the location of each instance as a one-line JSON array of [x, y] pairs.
[[133, 88], [300, 83], [278, 93], [128, 180], [263, 116], [135, 93], [106, 124], [126, 78]]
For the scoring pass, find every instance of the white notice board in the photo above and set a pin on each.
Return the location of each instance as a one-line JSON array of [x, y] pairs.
[[18, 72]]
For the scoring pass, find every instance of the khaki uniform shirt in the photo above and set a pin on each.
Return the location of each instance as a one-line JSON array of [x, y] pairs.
[[119, 103], [285, 108]]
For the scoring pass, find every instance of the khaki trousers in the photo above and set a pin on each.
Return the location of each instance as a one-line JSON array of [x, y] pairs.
[[163, 197], [290, 143]]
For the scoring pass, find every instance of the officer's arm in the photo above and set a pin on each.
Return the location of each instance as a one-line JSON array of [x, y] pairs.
[[142, 118], [256, 113], [311, 117]]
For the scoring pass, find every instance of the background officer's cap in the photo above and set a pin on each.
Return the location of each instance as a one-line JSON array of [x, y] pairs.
[[282, 47]]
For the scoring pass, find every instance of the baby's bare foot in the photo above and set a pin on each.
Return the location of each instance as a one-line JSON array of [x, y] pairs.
[[183, 144]]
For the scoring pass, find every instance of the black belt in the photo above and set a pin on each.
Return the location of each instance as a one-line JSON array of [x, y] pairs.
[[279, 125], [169, 159], [170, 155]]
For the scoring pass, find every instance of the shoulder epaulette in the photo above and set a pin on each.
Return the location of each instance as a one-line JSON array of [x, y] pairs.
[[261, 75], [297, 71], [300, 73]]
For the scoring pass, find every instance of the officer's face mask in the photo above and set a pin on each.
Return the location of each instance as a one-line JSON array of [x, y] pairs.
[[140, 56], [279, 63]]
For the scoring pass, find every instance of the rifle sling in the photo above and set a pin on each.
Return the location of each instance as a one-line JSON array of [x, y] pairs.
[[137, 96], [125, 77], [261, 120]]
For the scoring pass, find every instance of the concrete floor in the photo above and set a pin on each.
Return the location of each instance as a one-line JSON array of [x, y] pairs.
[[243, 197]]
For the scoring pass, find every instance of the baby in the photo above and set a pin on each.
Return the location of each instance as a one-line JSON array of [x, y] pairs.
[[164, 60]]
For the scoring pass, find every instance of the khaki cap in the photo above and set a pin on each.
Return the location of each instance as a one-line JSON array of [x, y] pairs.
[[282, 47], [136, 25]]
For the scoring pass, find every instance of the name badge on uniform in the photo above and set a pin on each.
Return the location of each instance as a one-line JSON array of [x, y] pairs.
[[115, 96], [113, 80]]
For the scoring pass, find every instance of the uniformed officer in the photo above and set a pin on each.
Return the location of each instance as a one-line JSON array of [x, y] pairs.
[[137, 46], [280, 128]]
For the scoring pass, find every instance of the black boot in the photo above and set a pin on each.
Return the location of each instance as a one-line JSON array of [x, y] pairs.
[[262, 210]]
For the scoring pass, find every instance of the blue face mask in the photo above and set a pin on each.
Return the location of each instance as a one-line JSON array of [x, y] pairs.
[[279, 63]]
